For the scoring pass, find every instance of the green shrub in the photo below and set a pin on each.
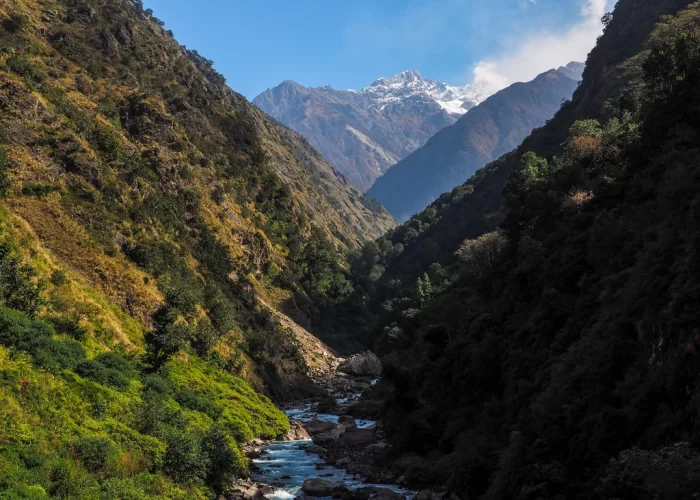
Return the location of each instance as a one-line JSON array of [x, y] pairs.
[[19, 287], [20, 65], [223, 459], [93, 453], [194, 400], [38, 190], [16, 23], [58, 278], [184, 459], [70, 327]]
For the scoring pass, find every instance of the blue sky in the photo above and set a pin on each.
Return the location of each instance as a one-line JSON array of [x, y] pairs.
[[256, 44]]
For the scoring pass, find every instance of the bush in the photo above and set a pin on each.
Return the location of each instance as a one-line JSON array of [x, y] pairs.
[[38, 190], [20, 65], [19, 287], [223, 458], [93, 453], [58, 278], [184, 459], [194, 400]]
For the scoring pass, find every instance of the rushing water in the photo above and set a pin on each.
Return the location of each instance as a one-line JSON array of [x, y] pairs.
[[286, 465]]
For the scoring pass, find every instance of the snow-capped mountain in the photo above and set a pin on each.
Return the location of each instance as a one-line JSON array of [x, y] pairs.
[[492, 128], [364, 132], [410, 84]]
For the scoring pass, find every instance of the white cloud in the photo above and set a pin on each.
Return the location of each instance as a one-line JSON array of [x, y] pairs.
[[525, 58]]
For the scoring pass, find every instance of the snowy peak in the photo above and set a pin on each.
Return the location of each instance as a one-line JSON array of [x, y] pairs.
[[404, 78], [410, 84]]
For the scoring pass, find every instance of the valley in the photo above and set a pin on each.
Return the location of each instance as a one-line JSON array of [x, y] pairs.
[[203, 301]]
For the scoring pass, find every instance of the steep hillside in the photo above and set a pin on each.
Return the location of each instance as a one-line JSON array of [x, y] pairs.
[[155, 229], [363, 133], [556, 357], [492, 128]]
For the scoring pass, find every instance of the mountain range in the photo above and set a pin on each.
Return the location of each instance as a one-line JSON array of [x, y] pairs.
[[488, 130], [363, 133]]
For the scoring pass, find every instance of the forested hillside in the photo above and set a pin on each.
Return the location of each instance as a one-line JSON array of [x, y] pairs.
[[153, 224], [543, 344]]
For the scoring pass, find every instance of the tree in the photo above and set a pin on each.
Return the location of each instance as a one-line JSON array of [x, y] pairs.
[[424, 289], [480, 255]]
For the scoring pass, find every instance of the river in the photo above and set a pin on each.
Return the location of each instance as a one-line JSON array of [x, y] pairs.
[[286, 465]]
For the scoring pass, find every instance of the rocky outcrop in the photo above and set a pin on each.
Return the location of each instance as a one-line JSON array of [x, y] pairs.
[[366, 364]]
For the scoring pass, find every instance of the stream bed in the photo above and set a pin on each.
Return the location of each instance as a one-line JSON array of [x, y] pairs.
[[285, 465]]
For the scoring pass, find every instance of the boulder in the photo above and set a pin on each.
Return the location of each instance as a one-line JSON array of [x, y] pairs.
[[266, 489], [387, 494], [343, 462], [245, 490], [328, 437], [319, 450], [297, 432], [322, 488], [355, 436], [316, 426], [378, 447], [366, 364], [347, 421]]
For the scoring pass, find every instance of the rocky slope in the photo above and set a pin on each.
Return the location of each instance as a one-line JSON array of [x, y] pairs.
[[492, 128], [362, 133]]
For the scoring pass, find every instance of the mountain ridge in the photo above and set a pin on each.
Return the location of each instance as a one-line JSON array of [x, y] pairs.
[[492, 128], [397, 114]]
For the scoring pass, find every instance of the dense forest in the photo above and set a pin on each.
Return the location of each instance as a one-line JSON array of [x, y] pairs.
[[546, 345]]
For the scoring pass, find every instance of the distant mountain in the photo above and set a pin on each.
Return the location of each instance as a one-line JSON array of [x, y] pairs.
[[363, 133], [490, 129]]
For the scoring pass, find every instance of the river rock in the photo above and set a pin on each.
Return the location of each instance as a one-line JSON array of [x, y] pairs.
[[316, 426], [328, 437], [366, 364], [343, 462], [314, 448], [347, 421], [245, 490], [378, 447], [297, 432], [357, 436], [322, 488]]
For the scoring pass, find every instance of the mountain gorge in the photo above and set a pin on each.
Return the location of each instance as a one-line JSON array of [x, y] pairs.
[[171, 257], [363, 133], [492, 128]]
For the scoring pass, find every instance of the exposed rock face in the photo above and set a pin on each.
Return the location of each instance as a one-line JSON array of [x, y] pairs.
[[454, 154], [363, 133], [366, 364], [322, 488]]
